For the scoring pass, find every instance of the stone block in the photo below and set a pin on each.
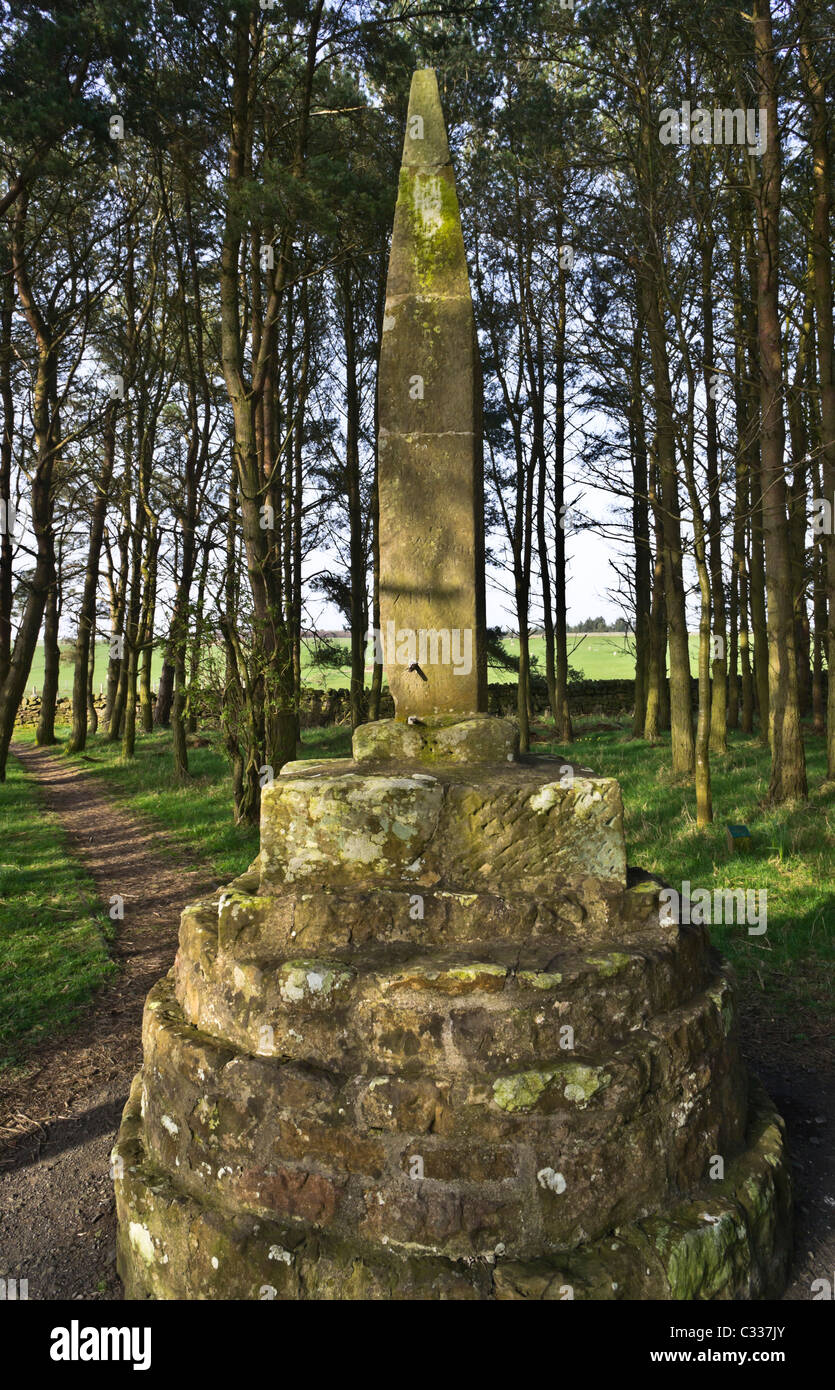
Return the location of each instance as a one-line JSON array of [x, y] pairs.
[[438, 739], [511, 829]]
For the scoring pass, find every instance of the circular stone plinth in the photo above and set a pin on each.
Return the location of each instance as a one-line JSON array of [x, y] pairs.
[[439, 1043], [728, 1240]]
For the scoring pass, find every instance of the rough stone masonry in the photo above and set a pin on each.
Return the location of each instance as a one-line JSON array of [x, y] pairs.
[[438, 1041]]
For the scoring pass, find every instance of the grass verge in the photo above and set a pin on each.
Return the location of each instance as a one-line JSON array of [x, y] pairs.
[[791, 856], [53, 928]]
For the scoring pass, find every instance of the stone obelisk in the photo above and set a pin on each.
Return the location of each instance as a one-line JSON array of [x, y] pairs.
[[438, 1042], [430, 449]]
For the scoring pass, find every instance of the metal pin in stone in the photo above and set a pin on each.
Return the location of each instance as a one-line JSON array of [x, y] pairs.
[[414, 667]]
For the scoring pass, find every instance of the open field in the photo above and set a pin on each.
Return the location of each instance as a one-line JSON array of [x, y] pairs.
[[598, 655]]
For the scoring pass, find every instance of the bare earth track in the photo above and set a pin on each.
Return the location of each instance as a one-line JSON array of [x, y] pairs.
[[59, 1118], [58, 1122]]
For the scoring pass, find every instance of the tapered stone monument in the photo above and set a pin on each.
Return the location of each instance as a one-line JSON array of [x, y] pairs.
[[439, 1042], [431, 471]]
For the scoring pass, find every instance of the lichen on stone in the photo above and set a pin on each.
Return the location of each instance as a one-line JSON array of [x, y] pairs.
[[313, 979]]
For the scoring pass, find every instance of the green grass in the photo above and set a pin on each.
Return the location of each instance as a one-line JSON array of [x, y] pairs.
[[792, 855], [53, 929], [599, 655], [196, 814]]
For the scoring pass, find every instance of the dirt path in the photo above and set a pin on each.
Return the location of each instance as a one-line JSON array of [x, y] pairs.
[[57, 1123], [58, 1120], [799, 1075]]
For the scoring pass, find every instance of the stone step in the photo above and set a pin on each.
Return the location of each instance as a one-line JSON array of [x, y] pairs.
[[480, 1003], [526, 827], [252, 924], [729, 1238], [294, 1140]]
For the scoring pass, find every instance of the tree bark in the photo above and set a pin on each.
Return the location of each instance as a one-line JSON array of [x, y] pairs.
[[788, 761], [643, 552], [719, 664], [87, 616], [681, 714], [45, 732], [47, 429], [823, 292], [357, 557], [6, 448]]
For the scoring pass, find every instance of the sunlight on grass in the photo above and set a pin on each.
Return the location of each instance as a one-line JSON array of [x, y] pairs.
[[792, 854], [53, 929]]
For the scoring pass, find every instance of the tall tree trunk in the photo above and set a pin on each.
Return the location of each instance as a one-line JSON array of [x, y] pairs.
[[146, 702], [115, 702], [273, 686], [788, 760], [92, 712], [47, 429], [746, 676], [654, 721], [823, 292], [524, 678], [6, 449], [719, 665], [643, 552], [165, 694], [681, 712], [542, 551], [742, 495], [733, 632], [797, 494], [178, 646], [87, 616], [297, 504], [756, 564], [357, 556], [562, 712], [377, 673], [704, 802], [759, 627], [197, 644], [45, 732], [126, 695]]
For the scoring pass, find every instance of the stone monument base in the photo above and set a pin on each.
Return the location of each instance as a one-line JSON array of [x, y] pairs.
[[729, 1240], [439, 1043]]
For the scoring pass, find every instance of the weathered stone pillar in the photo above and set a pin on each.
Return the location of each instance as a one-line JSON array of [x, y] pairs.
[[431, 479]]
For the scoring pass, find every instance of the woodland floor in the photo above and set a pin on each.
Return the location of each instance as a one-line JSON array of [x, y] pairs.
[[59, 1116], [60, 1112]]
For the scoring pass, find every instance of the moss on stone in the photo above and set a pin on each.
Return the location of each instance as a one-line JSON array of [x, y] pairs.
[[521, 1091], [610, 964], [582, 1082], [428, 202], [539, 979]]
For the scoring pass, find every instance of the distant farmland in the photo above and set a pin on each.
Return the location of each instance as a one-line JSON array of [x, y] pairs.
[[597, 655]]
